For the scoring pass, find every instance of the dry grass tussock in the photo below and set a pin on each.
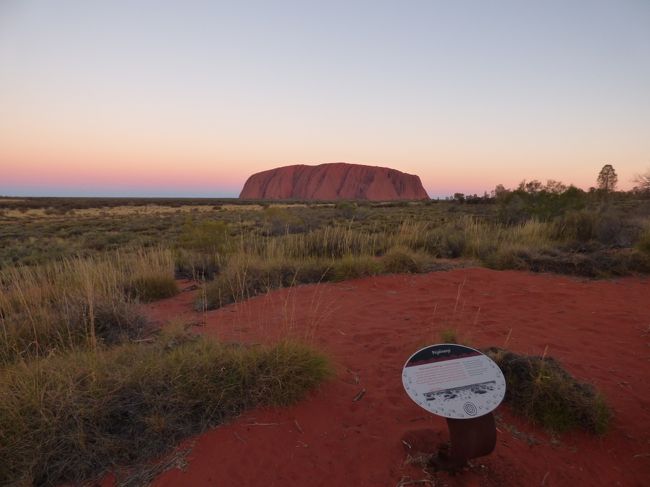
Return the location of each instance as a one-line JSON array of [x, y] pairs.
[[78, 395], [465, 236], [68, 418], [78, 303], [256, 265], [245, 276]]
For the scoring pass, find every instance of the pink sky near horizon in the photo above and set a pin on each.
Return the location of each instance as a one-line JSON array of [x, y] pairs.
[[190, 98], [197, 167], [124, 169], [219, 182]]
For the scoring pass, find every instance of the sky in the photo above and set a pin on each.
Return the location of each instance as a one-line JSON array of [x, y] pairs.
[[189, 98]]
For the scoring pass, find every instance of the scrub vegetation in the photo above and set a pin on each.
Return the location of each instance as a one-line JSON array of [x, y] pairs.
[[86, 383], [67, 418], [539, 389]]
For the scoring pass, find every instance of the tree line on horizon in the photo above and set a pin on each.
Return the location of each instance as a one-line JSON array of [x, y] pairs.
[[606, 183]]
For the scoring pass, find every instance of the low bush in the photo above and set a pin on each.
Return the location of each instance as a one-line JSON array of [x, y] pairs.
[[353, 268], [346, 209], [401, 259], [643, 243], [453, 243], [69, 418], [609, 226], [192, 264], [508, 256], [114, 322], [205, 236], [539, 388], [152, 287]]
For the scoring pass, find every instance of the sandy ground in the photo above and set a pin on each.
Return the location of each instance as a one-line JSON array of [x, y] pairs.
[[599, 330]]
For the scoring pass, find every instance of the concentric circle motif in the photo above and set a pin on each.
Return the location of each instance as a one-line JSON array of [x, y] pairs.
[[470, 409]]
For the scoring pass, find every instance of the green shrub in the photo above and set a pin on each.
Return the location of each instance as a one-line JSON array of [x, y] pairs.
[[66, 419], [204, 236], [346, 209], [540, 389], [577, 226]]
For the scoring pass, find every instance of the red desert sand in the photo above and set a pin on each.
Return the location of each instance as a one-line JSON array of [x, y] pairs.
[[349, 432]]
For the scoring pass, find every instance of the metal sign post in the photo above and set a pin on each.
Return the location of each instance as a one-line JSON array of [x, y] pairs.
[[462, 385]]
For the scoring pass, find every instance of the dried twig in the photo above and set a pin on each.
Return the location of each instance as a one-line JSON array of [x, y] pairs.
[[355, 376], [408, 481], [358, 397]]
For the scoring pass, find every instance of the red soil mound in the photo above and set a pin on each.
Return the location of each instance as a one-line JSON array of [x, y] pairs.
[[600, 331], [336, 181]]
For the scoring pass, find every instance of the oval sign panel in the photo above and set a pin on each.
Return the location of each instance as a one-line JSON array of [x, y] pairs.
[[454, 381]]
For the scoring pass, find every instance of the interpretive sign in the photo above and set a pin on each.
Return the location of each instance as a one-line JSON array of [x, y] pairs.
[[454, 381], [464, 386]]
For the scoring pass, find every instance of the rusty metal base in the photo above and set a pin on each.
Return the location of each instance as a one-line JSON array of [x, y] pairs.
[[469, 438]]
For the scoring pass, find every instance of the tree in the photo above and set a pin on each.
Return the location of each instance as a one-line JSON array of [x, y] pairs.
[[500, 191], [530, 187], [607, 178], [555, 187], [642, 181]]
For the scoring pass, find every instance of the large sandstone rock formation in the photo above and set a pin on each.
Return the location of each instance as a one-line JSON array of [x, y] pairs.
[[335, 181]]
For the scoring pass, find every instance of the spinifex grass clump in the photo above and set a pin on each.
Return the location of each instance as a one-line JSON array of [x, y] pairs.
[[148, 288], [78, 303], [401, 259], [540, 389], [68, 418], [244, 277]]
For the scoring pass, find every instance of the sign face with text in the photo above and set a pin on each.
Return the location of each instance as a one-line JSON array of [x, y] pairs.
[[454, 381]]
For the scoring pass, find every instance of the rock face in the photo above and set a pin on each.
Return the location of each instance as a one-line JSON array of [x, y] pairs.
[[335, 181]]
